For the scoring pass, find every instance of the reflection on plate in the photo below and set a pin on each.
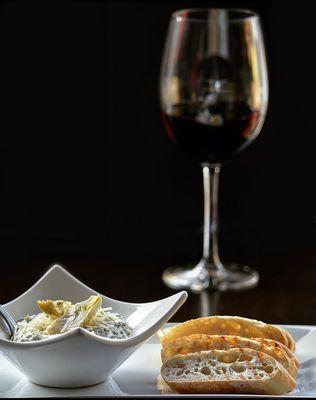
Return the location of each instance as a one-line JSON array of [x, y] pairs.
[[138, 375]]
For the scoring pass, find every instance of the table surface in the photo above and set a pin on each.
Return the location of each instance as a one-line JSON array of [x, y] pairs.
[[286, 293]]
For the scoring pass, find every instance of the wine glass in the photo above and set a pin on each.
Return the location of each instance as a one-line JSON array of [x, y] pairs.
[[214, 97]]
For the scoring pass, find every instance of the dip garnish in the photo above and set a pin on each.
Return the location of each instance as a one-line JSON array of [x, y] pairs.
[[60, 316]]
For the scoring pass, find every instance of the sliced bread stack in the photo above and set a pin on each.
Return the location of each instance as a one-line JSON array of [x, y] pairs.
[[224, 354]]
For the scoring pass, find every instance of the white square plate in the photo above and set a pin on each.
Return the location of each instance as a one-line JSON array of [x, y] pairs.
[[138, 375]]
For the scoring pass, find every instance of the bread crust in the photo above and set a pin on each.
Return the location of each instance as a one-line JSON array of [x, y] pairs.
[[288, 352], [277, 381], [228, 325], [230, 387], [291, 341]]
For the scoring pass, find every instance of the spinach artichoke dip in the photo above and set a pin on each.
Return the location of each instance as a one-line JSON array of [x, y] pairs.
[[61, 316]]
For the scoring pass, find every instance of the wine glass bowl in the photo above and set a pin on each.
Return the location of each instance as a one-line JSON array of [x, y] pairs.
[[214, 97]]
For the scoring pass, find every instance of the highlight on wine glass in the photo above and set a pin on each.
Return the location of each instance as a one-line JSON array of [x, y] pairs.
[[214, 98]]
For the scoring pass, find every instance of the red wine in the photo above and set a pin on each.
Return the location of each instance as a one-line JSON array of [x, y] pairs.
[[214, 134]]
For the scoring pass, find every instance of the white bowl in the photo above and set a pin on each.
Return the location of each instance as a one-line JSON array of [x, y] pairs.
[[80, 358]]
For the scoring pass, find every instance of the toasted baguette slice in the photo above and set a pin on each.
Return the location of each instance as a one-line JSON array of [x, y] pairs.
[[227, 371], [227, 325], [196, 343]]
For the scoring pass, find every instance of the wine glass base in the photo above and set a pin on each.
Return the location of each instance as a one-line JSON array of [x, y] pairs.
[[195, 278]]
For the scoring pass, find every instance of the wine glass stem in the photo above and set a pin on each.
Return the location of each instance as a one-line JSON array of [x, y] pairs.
[[210, 243]]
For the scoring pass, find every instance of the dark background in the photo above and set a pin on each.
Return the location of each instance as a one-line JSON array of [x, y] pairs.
[[88, 177]]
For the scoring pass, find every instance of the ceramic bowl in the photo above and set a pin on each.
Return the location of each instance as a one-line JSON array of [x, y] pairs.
[[80, 358]]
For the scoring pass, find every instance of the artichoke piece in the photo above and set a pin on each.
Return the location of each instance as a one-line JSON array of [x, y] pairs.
[[80, 314], [88, 309], [54, 309]]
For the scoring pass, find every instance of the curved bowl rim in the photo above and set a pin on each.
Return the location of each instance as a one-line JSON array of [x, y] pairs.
[[128, 342]]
